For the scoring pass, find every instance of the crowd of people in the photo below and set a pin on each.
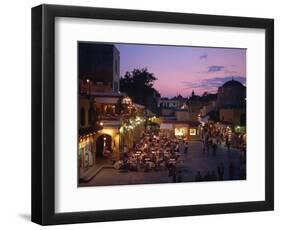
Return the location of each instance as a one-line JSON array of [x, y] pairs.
[[154, 152], [157, 151], [213, 137]]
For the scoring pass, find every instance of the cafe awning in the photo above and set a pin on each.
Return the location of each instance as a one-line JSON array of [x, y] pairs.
[[166, 126]]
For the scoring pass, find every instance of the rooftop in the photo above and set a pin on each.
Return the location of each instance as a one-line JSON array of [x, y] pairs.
[[233, 83]]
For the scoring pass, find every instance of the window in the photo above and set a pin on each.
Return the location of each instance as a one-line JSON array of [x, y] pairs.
[[192, 132], [82, 116], [90, 116], [180, 132]]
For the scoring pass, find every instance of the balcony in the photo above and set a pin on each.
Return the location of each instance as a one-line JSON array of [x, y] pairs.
[[110, 120], [110, 117]]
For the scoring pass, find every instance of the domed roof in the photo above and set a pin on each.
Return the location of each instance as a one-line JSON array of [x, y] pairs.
[[232, 83]]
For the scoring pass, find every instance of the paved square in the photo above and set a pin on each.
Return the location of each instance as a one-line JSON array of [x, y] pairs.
[[193, 161]]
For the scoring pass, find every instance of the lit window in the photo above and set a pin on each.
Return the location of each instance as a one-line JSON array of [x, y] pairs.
[[82, 117], [192, 132], [180, 131]]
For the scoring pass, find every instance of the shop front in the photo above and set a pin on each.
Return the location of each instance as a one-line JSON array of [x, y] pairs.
[[186, 131], [181, 129], [85, 152]]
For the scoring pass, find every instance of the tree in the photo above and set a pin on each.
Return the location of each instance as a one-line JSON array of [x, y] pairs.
[[119, 106], [138, 84]]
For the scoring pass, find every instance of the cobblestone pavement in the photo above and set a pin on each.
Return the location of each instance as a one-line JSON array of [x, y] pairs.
[[193, 162]]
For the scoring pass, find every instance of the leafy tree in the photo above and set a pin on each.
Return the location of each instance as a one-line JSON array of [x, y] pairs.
[[138, 84], [119, 105]]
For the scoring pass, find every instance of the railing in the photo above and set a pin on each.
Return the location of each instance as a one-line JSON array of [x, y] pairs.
[[110, 123], [114, 117]]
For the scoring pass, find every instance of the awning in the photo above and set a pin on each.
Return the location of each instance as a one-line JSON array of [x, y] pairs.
[[166, 126]]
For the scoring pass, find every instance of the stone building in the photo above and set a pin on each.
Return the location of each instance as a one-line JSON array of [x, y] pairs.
[[99, 121], [102, 109], [168, 106], [231, 93], [231, 102]]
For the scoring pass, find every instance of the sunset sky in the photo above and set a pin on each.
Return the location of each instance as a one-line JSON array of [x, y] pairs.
[[180, 70]]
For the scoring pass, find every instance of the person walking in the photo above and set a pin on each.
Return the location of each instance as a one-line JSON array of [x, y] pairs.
[[207, 176], [203, 147], [198, 176], [220, 170], [185, 147], [215, 149], [174, 174], [179, 179], [207, 145], [227, 142], [231, 170], [213, 175]]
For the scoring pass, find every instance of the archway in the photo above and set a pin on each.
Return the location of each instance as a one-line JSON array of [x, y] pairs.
[[103, 147]]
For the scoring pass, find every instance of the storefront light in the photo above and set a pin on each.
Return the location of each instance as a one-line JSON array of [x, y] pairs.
[[192, 132], [180, 131]]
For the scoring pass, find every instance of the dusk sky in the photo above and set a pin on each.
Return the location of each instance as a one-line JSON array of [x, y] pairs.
[[179, 70]]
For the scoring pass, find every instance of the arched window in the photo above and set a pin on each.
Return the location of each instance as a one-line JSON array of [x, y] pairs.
[[82, 116], [90, 116]]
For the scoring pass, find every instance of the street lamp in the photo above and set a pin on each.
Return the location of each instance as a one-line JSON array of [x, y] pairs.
[[88, 84]]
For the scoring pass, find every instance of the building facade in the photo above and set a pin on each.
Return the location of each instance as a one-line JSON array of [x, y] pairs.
[[99, 64], [231, 94], [231, 103], [98, 110], [181, 129], [105, 115]]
